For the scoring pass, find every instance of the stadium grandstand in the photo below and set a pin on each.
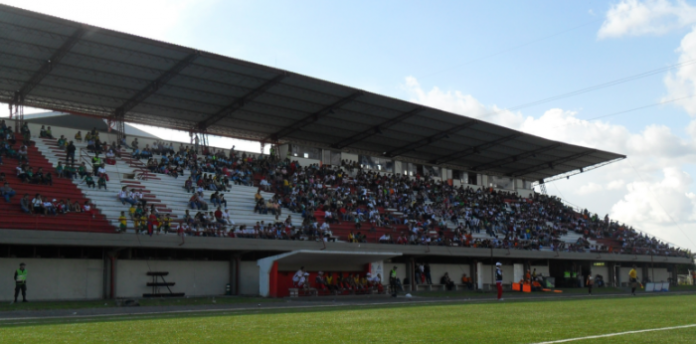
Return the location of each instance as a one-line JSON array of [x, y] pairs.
[[353, 184]]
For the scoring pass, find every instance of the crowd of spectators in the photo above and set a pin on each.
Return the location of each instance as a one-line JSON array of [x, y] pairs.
[[420, 210]]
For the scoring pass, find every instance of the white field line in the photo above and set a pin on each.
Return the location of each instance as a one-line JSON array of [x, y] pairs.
[[617, 334]]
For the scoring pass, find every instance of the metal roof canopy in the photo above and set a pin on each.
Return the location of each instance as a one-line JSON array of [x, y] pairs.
[[72, 67]]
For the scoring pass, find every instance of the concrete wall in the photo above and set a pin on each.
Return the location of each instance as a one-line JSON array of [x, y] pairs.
[[525, 193], [195, 278], [603, 271], [349, 156], [304, 162], [401, 272], [248, 278], [455, 271], [658, 274], [55, 279], [541, 270]]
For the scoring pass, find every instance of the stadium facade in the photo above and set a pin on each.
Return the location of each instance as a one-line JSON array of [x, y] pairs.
[[76, 69]]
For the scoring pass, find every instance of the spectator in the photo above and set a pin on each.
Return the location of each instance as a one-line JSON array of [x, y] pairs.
[[82, 170], [60, 170], [76, 207], [265, 185], [298, 279], [50, 207], [87, 208], [70, 153], [101, 182], [222, 200], [165, 224], [467, 282], [447, 281], [26, 204], [7, 192], [385, 239], [137, 195], [23, 154], [87, 179], [124, 197], [123, 222], [37, 204]]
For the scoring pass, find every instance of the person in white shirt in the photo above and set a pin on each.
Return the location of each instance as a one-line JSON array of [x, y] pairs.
[[50, 208], [328, 216], [384, 238], [298, 279], [324, 227], [138, 197], [124, 197], [265, 184], [37, 203], [225, 217]]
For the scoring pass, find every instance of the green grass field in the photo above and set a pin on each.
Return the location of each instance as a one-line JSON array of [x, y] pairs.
[[491, 322]]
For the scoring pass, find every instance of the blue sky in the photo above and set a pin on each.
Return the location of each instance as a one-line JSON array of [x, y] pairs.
[[472, 57], [445, 44]]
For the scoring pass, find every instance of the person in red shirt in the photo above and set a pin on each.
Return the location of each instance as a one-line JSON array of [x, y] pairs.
[[218, 214], [152, 223]]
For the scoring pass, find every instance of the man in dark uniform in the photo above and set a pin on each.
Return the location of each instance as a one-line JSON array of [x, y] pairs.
[[20, 277]]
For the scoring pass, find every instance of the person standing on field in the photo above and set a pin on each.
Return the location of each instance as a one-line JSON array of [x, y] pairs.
[[20, 277], [499, 280], [589, 284], [633, 280], [392, 281]]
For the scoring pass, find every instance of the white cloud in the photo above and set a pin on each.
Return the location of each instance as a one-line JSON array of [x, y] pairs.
[[682, 83], [589, 188], [660, 202], [650, 17], [628, 190], [655, 141], [616, 184]]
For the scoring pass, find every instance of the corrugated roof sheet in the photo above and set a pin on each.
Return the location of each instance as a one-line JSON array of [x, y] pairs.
[[105, 69]]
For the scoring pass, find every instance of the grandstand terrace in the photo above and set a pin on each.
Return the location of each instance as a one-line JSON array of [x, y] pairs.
[[354, 180]]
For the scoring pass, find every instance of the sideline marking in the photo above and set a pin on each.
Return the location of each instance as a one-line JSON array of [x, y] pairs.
[[617, 334]]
